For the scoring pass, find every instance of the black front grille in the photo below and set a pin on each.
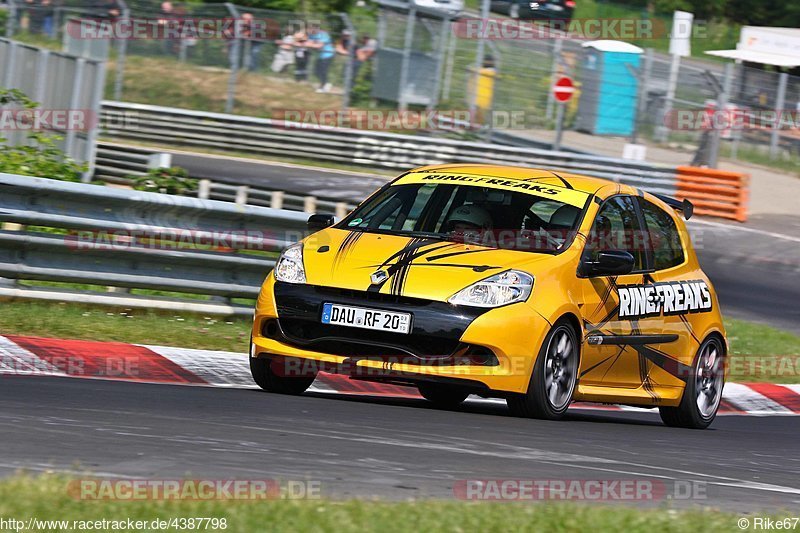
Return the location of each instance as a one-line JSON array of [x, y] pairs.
[[436, 331], [347, 341]]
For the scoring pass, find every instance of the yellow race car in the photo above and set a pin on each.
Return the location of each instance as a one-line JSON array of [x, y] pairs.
[[539, 287]]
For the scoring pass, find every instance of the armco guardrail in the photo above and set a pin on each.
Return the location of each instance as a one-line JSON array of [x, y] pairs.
[[122, 238], [115, 163], [716, 193], [235, 133], [247, 195]]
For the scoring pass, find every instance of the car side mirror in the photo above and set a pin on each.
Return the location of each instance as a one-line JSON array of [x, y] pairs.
[[609, 263], [319, 222]]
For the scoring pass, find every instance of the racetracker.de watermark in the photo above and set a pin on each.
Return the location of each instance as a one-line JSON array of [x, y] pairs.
[[176, 28], [38, 119], [577, 28], [732, 119], [578, 489], [193, 489], [179, 239], [375, 119]]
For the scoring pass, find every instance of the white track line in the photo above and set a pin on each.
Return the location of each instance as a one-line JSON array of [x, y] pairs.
[[748, 230]]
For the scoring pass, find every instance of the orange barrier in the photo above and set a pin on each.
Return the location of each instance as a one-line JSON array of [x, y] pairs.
[[716, 193]]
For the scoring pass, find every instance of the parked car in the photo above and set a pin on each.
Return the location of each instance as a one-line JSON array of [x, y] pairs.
[[542, 9]]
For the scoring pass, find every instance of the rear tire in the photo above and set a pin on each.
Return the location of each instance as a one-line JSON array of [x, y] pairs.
[[554, 377], [442, 395], [265, 376], [703, 391]]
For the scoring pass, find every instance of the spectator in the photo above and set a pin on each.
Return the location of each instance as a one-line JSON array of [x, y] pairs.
[[165, 16], [284, 56], [364, 53], [320, 40], [253, 57], [345, 47], [301, 55]]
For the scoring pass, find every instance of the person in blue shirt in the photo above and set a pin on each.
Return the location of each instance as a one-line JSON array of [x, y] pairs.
[[320, 40]]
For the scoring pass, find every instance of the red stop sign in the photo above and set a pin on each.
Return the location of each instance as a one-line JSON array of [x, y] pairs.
[[563, 89]]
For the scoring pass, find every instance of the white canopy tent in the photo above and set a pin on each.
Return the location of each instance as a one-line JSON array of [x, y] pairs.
[[779, 47]]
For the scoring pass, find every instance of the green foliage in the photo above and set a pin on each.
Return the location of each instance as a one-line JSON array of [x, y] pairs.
[[38, 154], [173, 180], [362, 85]]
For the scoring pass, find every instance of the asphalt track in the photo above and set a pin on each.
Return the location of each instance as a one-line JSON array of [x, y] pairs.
[[389, 448], [402, 448]]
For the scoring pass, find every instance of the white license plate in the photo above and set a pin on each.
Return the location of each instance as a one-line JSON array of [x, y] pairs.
[[361, 317]]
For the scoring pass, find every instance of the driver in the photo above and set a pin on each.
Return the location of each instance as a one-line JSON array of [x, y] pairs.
[[468, 219]]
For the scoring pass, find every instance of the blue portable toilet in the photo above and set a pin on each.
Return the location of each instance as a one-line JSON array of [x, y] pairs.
[[609, 88]]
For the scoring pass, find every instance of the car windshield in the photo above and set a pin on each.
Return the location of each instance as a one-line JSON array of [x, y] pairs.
[[497, 213]]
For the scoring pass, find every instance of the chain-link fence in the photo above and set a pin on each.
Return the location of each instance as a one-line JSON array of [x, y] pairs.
[[429, 62]]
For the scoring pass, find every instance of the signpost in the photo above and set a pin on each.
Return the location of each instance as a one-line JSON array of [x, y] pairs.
[[563, 89]]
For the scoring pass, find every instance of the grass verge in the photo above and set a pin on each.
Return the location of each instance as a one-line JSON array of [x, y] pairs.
[[46, 497], [758, 352]]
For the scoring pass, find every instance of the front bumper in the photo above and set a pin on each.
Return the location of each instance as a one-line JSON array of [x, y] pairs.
[[490, 349]]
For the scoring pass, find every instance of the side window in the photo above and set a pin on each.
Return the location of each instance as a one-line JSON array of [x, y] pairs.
[[616, 227], [664, 237]]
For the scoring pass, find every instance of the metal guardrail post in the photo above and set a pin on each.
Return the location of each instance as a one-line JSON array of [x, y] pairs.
[[241, 195], [402, 102], [722, 103], [122, 50], [91, 139], [440, 57], [557, 47], [276, 200], [11, 60], [11, 21], [641, 97], [479, 57], [204, 189], [662, 133], [74, 103], [780, 101], [348, 69], [41, 75], [234, 54], [450, 60], [310, 204]]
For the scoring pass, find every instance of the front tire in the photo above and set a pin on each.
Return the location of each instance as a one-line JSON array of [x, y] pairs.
[[267, 376], [442, 395], [554, 377], [703, 391]]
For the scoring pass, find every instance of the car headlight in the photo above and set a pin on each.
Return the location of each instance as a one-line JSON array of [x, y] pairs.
[[290, 265], [501, 289]]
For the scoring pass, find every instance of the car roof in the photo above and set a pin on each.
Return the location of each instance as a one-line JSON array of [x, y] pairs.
[[550, 177], [558, 178]]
